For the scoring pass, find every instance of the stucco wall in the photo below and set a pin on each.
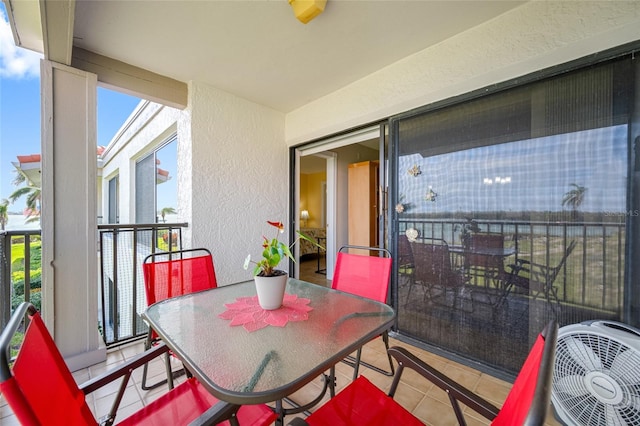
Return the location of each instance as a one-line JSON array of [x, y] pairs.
[[237, 172], [532, 37]]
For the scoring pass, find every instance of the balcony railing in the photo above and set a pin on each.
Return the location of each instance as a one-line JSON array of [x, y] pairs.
[[593, 276], [122, 251], [19, 256], [123, 248]]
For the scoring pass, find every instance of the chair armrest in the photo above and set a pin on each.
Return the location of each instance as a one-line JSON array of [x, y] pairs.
[[455, 391], [123, 369], [216, 414]]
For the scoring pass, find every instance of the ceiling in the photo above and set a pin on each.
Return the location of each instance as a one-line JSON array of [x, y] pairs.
[[259, 51]]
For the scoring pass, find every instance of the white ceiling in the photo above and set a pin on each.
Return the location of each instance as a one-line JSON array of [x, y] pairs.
[[258, 50]]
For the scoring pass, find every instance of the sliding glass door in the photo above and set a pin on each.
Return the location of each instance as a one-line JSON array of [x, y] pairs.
[[512, 209]]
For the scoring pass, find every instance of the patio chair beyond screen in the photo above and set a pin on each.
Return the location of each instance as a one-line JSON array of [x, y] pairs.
[[365, 276], [442, 283], [537, 280], [171, 274], [484, 269], [41, 390]]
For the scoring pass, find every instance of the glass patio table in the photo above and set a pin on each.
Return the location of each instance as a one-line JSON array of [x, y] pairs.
[[266, 365]]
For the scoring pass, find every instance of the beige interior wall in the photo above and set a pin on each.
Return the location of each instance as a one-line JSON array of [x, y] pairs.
[[311, 197]]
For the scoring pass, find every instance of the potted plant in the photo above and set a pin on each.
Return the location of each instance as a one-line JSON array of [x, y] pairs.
[[270, 281]]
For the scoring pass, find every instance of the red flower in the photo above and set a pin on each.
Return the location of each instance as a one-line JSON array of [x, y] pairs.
[[278, 225]]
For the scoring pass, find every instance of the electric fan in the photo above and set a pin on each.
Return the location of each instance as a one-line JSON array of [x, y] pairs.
[[596, 377]]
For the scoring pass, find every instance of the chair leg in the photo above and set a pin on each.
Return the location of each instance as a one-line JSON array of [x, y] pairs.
[[170, 374], [355, 362]]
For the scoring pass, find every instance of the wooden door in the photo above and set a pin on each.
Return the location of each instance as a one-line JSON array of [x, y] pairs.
[[363, 199]]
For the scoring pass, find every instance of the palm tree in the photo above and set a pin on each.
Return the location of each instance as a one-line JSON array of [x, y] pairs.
[[574, 198], [33, 193], [165, 211], [4, 213]]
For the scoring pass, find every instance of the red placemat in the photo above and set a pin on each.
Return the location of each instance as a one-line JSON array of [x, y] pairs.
[[246, 311]]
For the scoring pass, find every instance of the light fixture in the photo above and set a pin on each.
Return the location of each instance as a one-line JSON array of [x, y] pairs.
[[306, 10], [304, 215]]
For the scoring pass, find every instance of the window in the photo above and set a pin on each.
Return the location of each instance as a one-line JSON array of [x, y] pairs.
[[156, 191], [114, 214]]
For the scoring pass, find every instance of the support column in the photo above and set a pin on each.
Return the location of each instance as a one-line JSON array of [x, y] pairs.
[[69, 209]]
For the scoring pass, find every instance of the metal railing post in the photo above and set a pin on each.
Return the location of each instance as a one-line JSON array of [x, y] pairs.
[[5, 279]]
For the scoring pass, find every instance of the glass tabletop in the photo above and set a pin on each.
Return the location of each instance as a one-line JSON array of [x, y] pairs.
[[268, 364]]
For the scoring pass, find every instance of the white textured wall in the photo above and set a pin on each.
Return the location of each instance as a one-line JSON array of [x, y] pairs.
[[149, 125], [233, 179], [532, 37]]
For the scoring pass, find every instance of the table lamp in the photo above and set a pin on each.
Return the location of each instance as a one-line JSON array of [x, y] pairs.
[[304, 215]]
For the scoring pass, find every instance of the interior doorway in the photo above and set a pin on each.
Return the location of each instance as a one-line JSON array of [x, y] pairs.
[[321, 179]]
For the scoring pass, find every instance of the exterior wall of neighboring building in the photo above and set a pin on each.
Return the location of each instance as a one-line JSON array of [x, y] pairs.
[[532, 37], [148, 126]]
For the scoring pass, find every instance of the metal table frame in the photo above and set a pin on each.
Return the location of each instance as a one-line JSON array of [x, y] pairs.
[[272, 363]]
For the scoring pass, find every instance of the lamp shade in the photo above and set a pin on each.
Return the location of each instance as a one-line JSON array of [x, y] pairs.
[[304, 214], [306, 10]]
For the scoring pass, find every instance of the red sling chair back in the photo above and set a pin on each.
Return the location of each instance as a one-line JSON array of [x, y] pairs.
[[41, 390], [171, 274], [527, 403], [175, 273], [367, 276], [363, 275]]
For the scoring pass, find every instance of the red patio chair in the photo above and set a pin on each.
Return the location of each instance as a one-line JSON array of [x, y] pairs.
[[365, 276], [171, 274], [41, 390], [362, 403]]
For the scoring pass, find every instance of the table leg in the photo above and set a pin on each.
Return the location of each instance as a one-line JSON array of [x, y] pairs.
[[320, 270]]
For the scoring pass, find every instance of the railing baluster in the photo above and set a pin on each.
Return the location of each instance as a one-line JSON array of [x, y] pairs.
[[5, 276], [576, 282], [125, 280], [27, 268]]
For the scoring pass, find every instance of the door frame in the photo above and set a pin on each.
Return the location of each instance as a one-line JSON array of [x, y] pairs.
[[322, 148]]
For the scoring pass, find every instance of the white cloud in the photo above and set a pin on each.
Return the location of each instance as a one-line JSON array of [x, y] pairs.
[[15, 62]]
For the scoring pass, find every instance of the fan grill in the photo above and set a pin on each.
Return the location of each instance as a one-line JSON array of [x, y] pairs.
[[596, 381]]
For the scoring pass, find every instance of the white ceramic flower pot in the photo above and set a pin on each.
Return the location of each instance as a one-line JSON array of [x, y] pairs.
[[271, 291]]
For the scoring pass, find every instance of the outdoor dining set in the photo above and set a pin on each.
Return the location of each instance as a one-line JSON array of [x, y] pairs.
[[243, 363], [483, 269]]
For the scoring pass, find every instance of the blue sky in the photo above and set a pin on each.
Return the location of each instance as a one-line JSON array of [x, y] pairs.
[[20, 108], [527, 175]]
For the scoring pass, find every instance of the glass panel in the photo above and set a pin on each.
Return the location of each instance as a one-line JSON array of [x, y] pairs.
[[113, 201], [166, 183], [511, 211], [258, 366], [145, 190]]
